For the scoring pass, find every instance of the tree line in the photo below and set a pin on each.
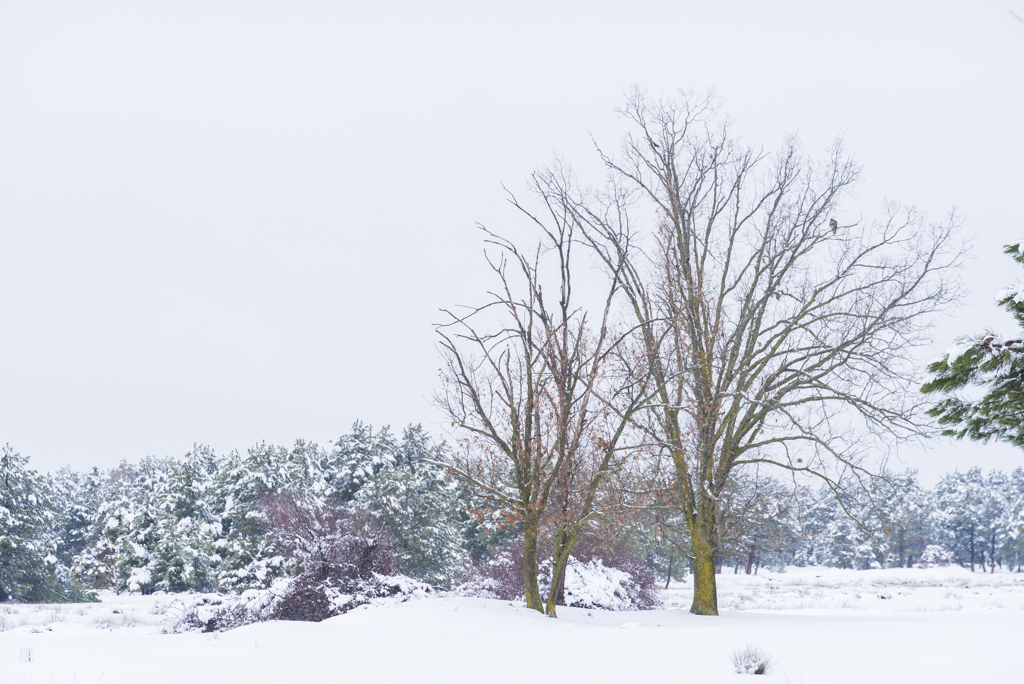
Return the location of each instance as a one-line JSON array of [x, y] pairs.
[[205, 522]]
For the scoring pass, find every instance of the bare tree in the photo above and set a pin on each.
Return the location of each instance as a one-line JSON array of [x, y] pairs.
[[773, 333], [540, 398]]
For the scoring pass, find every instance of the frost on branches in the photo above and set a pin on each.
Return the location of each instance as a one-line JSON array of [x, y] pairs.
[[991, 362]]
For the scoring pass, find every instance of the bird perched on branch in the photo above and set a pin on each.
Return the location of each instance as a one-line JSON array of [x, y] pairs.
[[834, 225]]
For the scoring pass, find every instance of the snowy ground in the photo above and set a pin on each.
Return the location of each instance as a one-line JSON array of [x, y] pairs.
[[940, 625]]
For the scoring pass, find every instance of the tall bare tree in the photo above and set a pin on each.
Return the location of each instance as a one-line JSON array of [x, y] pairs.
[[776, 331], [541, 398]]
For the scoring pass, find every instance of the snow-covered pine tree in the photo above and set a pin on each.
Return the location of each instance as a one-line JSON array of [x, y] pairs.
[[989, 361], [185, 556], [29, 567], [910, 518], [248, 560], [419, 504], [357, 457], [77, 497], [96, 566]]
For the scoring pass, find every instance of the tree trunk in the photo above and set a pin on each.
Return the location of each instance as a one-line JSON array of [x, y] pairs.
[[564, 541], [669, 578], [531, 531], [705, 590], [560, 596], [972, 549]]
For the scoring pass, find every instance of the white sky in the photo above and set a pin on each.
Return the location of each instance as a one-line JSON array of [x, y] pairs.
[[232, 222]]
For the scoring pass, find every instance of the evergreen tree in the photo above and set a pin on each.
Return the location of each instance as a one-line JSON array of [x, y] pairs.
[[358, 456], [30, 570], [1013, 519], [188, 531], [248, 560], [910, 519], [419, 504]]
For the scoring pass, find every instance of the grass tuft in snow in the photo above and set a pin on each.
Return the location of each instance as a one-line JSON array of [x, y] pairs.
[[751, 660]]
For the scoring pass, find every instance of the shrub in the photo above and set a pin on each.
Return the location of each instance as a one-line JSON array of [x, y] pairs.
[[597, 578], [594, 585], [499, 576], [345, 561], [934, 556]]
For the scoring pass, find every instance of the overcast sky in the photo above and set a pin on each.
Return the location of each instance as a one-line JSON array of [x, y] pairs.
[[228, 223]]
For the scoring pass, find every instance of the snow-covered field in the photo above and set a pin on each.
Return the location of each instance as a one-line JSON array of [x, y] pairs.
[[818, 625]]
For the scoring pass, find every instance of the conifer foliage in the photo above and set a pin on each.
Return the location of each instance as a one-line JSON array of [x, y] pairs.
[[992, 363]]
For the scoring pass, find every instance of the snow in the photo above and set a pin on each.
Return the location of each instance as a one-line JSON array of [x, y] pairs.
[[1015, 291], [139, 577], [816, 624], [957, 350], [896, 590], [594, 585]]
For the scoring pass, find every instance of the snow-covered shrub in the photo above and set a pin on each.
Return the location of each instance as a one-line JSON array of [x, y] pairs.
[[751, 660], [605, 573], [615, 583], [935, 556], [594, 585], [325, 539], [344, 560], [290, 599]]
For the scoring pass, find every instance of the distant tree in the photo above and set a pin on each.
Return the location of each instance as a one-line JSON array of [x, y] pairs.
[[909, 518], [755, 520], [364, 472], [1013, 519], [965, 504], [77, 498], [992, 363]]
